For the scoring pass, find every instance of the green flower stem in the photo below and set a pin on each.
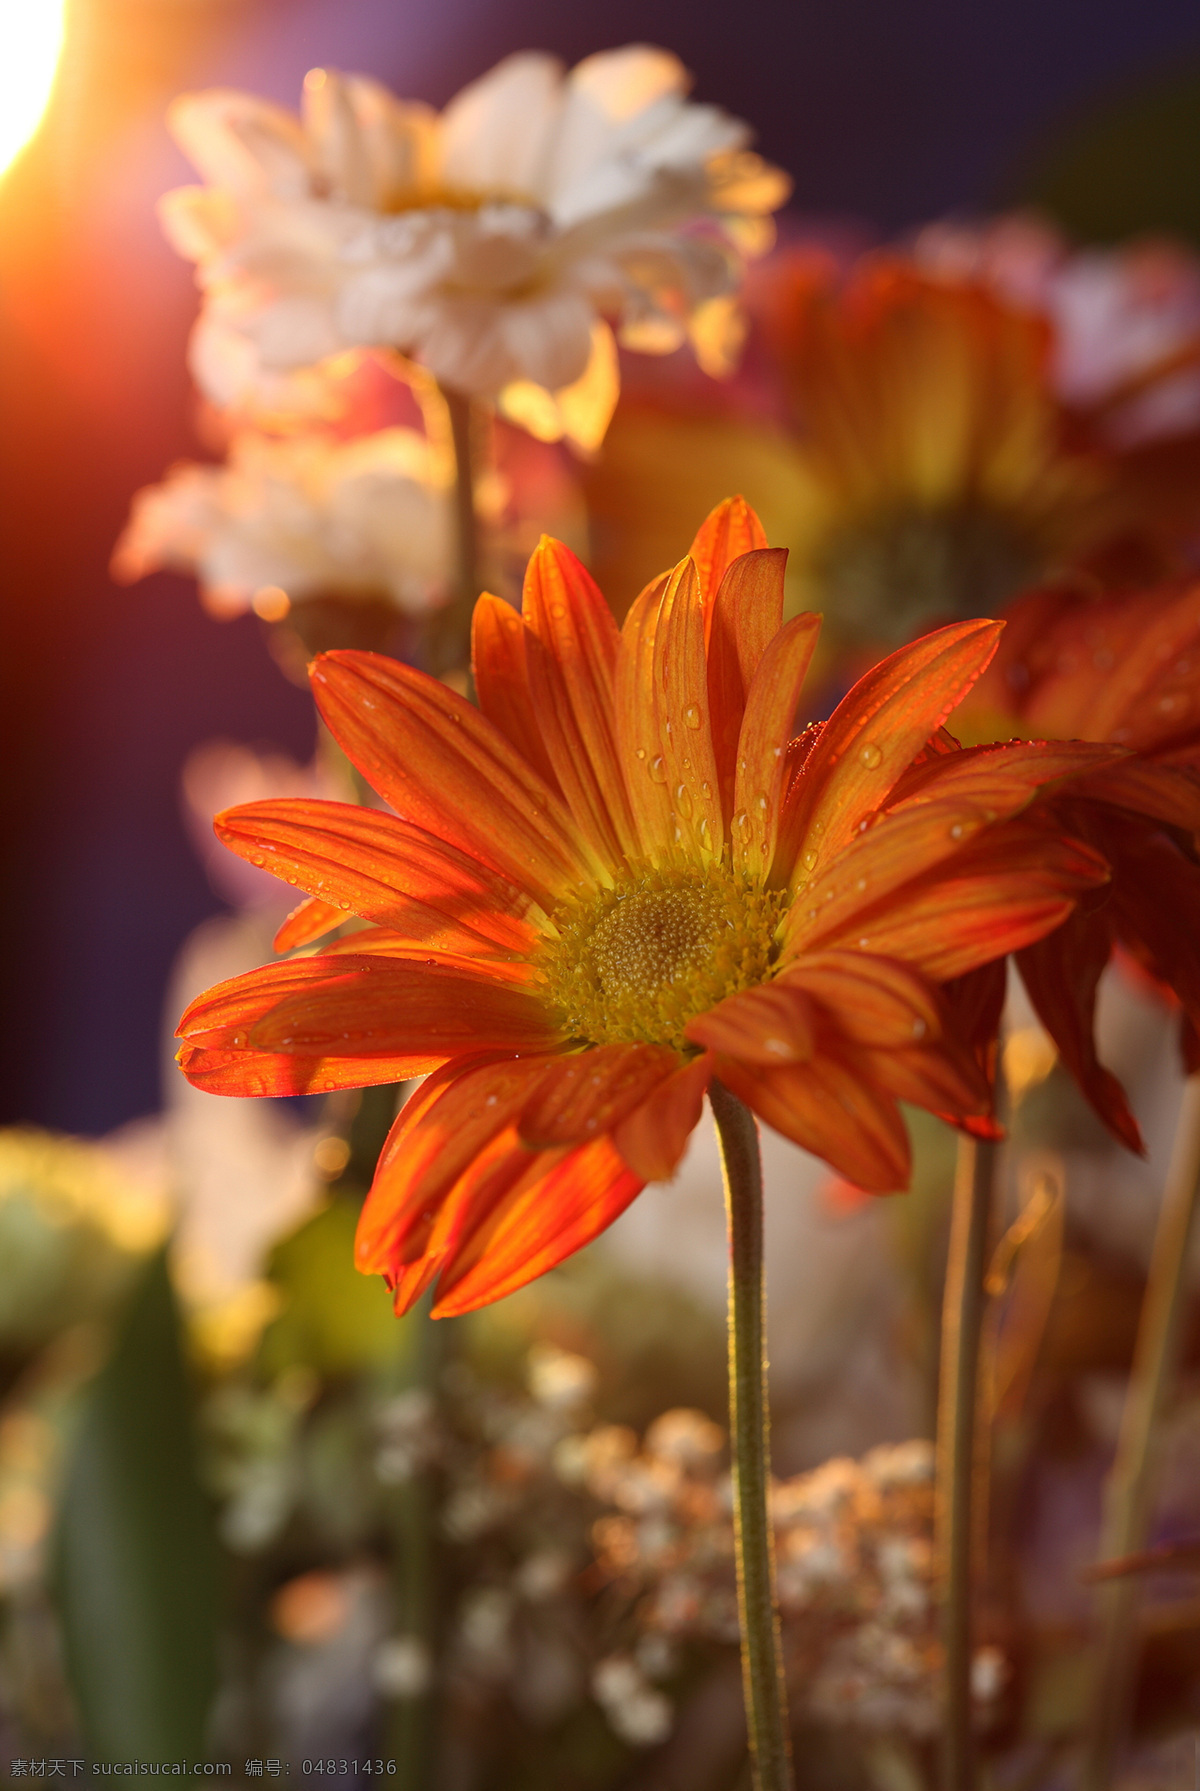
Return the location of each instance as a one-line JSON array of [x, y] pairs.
[[962, 1327], [1131, 1483], [450, 629], [762, 1655]]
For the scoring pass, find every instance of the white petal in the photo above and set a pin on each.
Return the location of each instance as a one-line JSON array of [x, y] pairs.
[[241, 142], [496, 133]]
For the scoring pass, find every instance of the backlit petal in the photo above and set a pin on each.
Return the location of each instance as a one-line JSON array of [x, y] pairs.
[[367, 1007], [502, 680], [571, 663], [437, 1135], [589, 1092], [872, 1000], [876, 732], [308, 920], [772, 1024], [1017, 885], [363, 861], [564, 1200], [642, 762], [444, 767], [685, 744], [225, 1070], [728, 531], [1062, 974], [766, 728], [653, 1138], [828, 1109]]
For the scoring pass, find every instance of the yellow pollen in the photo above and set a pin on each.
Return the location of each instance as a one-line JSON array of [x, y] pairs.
[[637, 962]]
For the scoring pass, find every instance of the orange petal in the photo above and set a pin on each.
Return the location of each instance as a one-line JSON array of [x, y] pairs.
[[875, 733], [683, 724], [642, 763], [1168, 793], [571, 659], [872, 1000], [367, 1007], [226, 1070], [762, 744], [1004, 778], [474, 957], [564, 1200], [770, 1025], [727, 532], [653, 1138], [307, 921], [944, 1079], [437, 1135], [1014, 888], [443, 766], [827, 1109], [363, 861], [590, 1092], [746, 614], [502, 680], [1062, 973], [902, 846]]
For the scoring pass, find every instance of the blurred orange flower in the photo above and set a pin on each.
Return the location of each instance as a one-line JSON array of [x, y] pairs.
[[621, 877], [940, 471], [1122, 668]]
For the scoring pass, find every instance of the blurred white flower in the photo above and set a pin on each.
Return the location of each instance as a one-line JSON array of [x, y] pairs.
[[300, 517], [490, 242], [1125, 321]]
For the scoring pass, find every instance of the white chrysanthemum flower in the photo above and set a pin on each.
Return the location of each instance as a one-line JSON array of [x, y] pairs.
[[1126, 321], [491, 241], [300, 517]]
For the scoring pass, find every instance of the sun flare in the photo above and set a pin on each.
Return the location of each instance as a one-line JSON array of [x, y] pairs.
[[32, 40]]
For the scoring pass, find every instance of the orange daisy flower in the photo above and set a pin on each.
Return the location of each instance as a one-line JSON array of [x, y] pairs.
[[1122, 668], [620, 877]]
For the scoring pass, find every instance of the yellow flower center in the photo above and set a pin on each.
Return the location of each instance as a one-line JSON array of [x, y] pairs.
[[637, 962]]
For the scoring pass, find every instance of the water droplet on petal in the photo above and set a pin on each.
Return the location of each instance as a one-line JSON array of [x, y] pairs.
[[809, 859], [683, 801], [761, 804], [639, 752], [741, 822], [919, 1028], [706, 790], [870, 755], [692, 716], [861, 885], [258, 859], [957, 831], [705, 834], [559, 611], [658, 769]]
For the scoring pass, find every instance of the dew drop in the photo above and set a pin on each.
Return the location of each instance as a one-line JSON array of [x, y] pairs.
[[956, 832], [861, 885], [239, 1038], [257, 860], [777, 1047], [658, 769], [919, 1028], [640, 752], [705, 834], [761, 804], [809, 859], [706, 790], [559, 611], [683, 801], [491, 1101], [344, 905], [741, 822], [870, 755], [692, 716], [817, 828]]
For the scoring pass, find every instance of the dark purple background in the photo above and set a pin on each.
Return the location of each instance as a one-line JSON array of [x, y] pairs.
[[890, 110]]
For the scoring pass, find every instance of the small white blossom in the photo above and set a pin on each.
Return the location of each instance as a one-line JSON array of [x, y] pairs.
[[287, 519], [490, 242]]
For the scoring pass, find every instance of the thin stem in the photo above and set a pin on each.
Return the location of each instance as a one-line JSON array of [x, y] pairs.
[[450, 630], [758, 1612], [962, 1326], [1131, 1483]]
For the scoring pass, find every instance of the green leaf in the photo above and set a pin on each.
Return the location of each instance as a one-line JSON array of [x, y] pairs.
[[135, 1557], [334, 1319]]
